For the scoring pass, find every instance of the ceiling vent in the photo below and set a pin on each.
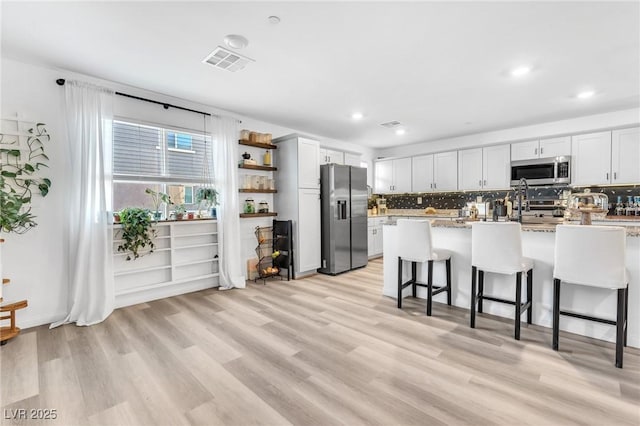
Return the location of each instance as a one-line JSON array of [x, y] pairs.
[[391, 124], [226, 59]]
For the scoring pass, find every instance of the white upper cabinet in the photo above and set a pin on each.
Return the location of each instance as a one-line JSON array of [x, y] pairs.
[[484, 168], [591, 159], [352, 159], [551, 147], [625, 156], [525, 150], [393, 176], [422, 173], [308, 163], [496, 166], [328, 156], [470, 169], [435, 172], [555, 147], [445, 171]]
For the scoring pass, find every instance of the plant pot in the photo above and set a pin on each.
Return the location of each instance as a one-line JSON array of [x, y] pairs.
[[116, 218], [179, 216], [214, 213], [190, 216], [157, 215]]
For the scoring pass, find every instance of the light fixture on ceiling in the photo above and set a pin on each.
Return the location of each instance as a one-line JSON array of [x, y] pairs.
[[521, 71], [586, 94], [274, 20], [357, 116], [400, 132], [236, 41]]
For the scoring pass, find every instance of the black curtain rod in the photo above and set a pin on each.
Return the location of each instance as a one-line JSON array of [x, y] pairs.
[[61, 82]]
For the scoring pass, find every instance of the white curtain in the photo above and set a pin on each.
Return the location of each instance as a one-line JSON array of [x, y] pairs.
[[225, 151], [89, 112]]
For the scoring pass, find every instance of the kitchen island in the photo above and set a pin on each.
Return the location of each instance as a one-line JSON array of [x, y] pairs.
[[538, 243]]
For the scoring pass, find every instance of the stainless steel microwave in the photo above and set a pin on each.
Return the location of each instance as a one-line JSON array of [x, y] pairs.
[[542, 171]]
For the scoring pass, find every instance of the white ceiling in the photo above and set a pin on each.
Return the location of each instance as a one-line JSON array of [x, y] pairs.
[[439, 68]]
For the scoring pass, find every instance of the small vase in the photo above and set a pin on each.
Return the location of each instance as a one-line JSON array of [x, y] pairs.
[[214, 213], [157, 215]]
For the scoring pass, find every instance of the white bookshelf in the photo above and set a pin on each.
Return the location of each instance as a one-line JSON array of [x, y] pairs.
[[185, 259]]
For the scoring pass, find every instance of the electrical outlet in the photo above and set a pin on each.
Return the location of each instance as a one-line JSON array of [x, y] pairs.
[[419, 201]]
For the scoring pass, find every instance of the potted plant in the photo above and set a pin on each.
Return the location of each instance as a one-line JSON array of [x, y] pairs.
[[158, 198], [180, 210], [137, 232], [207, 198]]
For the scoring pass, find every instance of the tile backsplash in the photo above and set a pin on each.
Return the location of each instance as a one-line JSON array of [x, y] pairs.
[[457, 200]]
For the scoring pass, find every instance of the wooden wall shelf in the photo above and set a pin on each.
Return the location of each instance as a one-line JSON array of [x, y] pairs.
[[256, 167], [247, 215], [258, 144], [259, 191]]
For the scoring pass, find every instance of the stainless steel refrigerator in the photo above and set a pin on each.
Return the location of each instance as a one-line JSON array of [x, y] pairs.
[[343, 194]]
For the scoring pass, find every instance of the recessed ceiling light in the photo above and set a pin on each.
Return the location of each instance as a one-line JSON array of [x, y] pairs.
[[236, 41], [400, 132], [586, 94], [357, 115], [273, 19], [520, 71]]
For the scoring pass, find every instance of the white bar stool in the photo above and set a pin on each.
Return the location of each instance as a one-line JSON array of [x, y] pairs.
[[497, 247], [415, 241], [592, 256]]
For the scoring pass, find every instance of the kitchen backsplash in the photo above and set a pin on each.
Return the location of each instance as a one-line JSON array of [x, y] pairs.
[[457, 200]]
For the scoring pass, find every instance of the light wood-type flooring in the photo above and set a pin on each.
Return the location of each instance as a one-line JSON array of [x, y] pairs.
[[317, 351]]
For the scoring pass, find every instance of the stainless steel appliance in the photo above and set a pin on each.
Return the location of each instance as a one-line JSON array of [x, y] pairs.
[[343, 195], [542, 171], [543, 211]]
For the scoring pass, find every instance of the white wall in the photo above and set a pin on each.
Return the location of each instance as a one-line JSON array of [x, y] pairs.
[[586, 124], [36, 261]]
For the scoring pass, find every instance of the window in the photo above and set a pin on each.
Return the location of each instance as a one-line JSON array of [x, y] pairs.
[[163, 159]]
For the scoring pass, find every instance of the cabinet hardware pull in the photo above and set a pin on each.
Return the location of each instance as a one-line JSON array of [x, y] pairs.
[[615, 175], [480, 182], [434, 185], [541, 151], [535, 151], [431, 185], [485, 182], [607, 175]]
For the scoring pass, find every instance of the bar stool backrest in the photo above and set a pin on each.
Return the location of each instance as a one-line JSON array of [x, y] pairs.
[[591, 255], [497, 247], [414, 239]]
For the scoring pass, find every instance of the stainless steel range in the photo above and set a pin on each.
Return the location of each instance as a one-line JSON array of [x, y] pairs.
[[542, 210]]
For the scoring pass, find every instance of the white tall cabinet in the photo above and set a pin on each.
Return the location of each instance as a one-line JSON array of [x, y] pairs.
[[393, 176], [484, 168], [625, 156], [435, 172], [298, 197]]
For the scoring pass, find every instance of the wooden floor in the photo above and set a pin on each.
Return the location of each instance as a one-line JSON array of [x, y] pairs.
[[318, 351]]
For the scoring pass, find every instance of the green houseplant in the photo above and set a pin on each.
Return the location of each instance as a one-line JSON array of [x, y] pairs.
[[207, 198], [20, 165], [180, 210], [158, 198], [137, 232]]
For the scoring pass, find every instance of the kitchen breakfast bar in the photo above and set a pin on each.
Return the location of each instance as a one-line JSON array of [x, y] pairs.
[[538, 243]]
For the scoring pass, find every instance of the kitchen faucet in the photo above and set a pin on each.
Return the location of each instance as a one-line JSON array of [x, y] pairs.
[[522, 182]]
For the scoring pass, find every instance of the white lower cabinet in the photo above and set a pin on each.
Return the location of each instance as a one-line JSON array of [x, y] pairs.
[[374, 237], [185, 258], [308, 232]]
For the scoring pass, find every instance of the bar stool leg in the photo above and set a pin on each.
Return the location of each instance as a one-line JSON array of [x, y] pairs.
[[448, 266], [480, 290], [626, 313], [518, 303], [414, 279], [620, 327], [399, 282], [429, 286], [473, 297], [556, 313], [529, 294]]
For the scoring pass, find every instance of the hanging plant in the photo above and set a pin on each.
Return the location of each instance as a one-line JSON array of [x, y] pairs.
[[137, 232], [19, 177]]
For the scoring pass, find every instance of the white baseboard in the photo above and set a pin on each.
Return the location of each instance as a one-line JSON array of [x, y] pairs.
[[129, 299]]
